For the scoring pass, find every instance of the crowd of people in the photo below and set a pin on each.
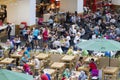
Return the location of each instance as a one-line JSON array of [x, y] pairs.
[[67, 29], [62, 32]]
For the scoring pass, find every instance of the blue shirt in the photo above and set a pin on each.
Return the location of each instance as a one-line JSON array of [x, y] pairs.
[[24, 32], [27, 53], [36, 32], [23, 59]]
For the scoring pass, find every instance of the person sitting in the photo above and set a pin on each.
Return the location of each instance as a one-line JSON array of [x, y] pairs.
[[11, 65], [17, 41], [66, 73], [26, 68], [48, 75], [43, 76], [23, 59], [84, 53], [56, 43], [65, 45], [82, 76], [59, 50], [27, 53], [70, 51], [79, 63], [46, 49], [92, 65], [30, 72]]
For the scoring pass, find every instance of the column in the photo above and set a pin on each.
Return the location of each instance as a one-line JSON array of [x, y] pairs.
[[22, 11], [71, 6]]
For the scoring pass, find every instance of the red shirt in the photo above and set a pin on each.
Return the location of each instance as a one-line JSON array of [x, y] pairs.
[[44, 77], [26, 67], [92, 65], [45, 35]]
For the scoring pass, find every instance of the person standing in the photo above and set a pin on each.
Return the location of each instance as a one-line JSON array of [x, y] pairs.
[[45, 36], [9, 29], [36, 32]]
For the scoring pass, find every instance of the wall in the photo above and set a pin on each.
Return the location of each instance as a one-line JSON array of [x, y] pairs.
[[71, 6], [68, 5], [22, 11], [116, 2]]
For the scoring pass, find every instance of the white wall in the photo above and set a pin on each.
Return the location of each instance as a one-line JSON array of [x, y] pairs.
[[68, 5], [116, 2], [71, 6], [21, 11]]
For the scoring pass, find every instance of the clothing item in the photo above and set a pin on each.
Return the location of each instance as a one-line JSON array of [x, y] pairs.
[[37, 63], [44, 77], [36, 32], [92, 66], [82, 76], [26, 68], [48, 75], [45, 35]]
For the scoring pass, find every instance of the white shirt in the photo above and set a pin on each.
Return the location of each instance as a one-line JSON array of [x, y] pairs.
[[56, 43], [67, 44], [68, 38], [30, 38], [37, 63], [112, 20], [74, 19], [82, 31], [59, 50], [94, 36], [76, 38]]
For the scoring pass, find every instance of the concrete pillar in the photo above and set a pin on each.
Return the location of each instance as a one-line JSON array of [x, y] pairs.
[[71, 6], [22, 11]]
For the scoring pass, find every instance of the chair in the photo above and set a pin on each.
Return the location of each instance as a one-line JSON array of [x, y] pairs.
[[55, 58]]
